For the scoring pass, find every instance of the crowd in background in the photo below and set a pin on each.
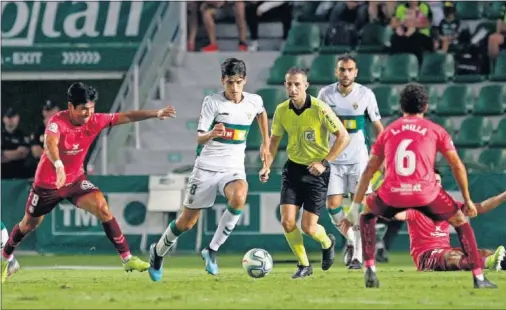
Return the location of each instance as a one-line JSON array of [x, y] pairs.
[[21, 151]]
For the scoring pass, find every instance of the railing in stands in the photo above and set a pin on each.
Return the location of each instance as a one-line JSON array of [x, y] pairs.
[[164, 42]]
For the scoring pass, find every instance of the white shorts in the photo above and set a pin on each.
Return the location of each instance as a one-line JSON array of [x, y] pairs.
[[204, 185], [344, 178], [5, 237]]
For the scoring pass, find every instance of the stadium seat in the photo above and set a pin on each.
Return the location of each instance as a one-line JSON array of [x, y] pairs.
[[433, 97], [491, 100], [323, 69], [445, 122], [493, 9], [369, 68], [474, 132], [498, 139], [254, 139], [303, 38], [467, 157], [437, 68], [283, 143], [388, 100], [499, 73], [455, 100], [400, 68], [272, 97], [493, 159], [313, 90], [375, 38], [469, 10], [307, 13], [281, 65]]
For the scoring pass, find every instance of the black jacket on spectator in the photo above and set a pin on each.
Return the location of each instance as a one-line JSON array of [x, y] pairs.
[[11, 141]]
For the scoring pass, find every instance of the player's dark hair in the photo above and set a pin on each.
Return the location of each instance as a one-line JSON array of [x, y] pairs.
[[346, 57], [80, 93], [296, 70], [436, 171], [233, 66], [413, 99]]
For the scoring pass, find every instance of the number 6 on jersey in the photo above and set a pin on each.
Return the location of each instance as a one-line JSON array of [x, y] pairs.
[[405, 160]]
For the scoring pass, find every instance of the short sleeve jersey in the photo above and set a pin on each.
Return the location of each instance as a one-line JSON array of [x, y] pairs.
[[308, 129], [74, 143], [409, 146], [352, 110], [227, 152]]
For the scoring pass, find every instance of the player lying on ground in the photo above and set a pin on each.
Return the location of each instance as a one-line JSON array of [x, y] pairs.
[[430, 241], [13, 265], [409, 147], [224, 122], [60, 173], [308, 123], [352, 103]]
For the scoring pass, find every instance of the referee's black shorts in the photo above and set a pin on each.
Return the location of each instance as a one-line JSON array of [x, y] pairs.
[[303, 189]]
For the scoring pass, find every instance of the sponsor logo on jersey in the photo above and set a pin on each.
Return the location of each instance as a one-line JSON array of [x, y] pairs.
[[309, 135], [235, 134]]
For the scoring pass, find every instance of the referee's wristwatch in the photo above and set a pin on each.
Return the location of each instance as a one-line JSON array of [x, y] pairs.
[[325, 164]]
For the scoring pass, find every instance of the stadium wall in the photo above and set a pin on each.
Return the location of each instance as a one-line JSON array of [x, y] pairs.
[[73, 231]]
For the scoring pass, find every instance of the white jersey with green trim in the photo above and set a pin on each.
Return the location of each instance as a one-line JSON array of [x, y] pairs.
[[228, 152], [352, 110]]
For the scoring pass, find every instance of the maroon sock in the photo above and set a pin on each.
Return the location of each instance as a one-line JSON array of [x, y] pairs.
[[114, 234], [368, 234], [469, 247], [15, 239]]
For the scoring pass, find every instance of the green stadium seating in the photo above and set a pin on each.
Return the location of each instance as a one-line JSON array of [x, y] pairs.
[[283, 143], [493, 9], [474, 132], [254, 139], [369, 68], [307, 14], [375, 38], [491, 100], [445, 122], [498, 139], [313, 91], [303, 38], [388, 100], [455, 100], [272, 97], [469, 10], [499, 73], [433, 97], [323, 69], [437, 68], [281, 66], [400, 68], [469, 78], [493, 159], [467, 157]]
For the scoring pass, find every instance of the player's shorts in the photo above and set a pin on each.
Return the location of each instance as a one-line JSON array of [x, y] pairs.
[[41, 201], [301, 188], [5, 237], [344, 178], [441, 209], [204, 185]]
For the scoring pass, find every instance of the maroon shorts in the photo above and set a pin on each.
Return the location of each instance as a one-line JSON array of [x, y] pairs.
[[441, 209], [41, 201]]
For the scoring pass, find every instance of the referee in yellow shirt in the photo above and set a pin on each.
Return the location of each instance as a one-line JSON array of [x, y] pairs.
[[308, 122]]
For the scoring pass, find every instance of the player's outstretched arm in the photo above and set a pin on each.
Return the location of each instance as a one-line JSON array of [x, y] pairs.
[[273, 150], [141, 115], [51, 147], [263, 123], [372, 166], [491, 203], [460, 173]]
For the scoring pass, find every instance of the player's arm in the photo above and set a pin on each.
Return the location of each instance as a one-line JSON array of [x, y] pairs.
[[51, 140], [334, 125], [491, 203], [263, 123], [374, 114], [205, 132], [375, 161], [141, 115], [401, 216]]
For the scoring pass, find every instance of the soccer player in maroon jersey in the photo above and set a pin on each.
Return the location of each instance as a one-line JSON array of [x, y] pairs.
[[60, 173], [409, 146], [431, 248]]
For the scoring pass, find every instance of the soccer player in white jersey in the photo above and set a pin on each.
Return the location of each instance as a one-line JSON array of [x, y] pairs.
[[13, 266], [352, 103], [222, 130]]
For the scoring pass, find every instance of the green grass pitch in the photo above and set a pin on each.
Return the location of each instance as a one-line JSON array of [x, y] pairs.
[[41, 285]]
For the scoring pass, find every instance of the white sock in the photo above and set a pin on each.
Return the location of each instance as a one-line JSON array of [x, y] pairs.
[[167, 240], [357, 245], [350, 236], [337, 215], [227, 223]]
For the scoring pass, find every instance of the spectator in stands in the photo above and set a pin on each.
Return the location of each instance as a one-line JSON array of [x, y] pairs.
[[437, 10], [193, 23], [37, 138], [14, 147], [350, 12], [449, 27], [208, 9], [257, 11], [381, 11], [411, 24], [497, 40]]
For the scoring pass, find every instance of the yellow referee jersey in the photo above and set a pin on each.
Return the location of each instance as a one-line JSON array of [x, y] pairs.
[[308, 129]]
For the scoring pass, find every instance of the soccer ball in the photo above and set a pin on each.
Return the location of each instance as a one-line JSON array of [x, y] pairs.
[[257, 263]]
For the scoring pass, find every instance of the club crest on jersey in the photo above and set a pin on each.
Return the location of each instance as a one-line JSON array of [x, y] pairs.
[[53, 127], [355, 106], [309, 135], [249, 115]]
